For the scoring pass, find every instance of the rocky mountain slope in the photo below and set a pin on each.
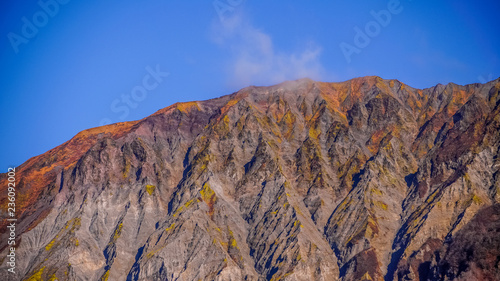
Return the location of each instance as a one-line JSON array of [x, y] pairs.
[[367, 179]]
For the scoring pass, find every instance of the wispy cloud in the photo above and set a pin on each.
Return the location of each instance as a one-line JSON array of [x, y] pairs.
[[254, 59]]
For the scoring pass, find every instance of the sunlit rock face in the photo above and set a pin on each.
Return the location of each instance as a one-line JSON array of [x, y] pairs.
[[368, 179]]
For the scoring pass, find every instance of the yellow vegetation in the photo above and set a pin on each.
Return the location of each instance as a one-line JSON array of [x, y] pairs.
[[226, 121], [206, 192], [467, 180], [366, 276], [381, 205], [76, 223], [186, 205], [476, 199], [105, 276], [203, 159], [232, 241], [126, 170], [314, 132], [150, 189], [185, 106], [150, 254], [170, 227], [37, 276], [289, 120], [49, 246], [118, 232]]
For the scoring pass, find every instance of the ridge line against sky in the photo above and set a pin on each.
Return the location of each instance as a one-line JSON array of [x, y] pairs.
[[68, 66]]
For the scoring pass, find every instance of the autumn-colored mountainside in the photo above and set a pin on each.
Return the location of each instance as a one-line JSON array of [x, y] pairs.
[[368, 179]]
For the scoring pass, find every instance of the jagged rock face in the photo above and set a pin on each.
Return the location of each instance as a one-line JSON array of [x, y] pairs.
[[368, 179], [472, 254]]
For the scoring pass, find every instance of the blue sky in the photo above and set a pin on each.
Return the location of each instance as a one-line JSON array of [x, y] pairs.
[[68, 66]]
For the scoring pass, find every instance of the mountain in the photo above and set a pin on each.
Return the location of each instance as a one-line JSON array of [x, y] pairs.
[[368, 179]]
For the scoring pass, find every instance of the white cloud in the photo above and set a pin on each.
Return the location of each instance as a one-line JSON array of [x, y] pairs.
[[254, 60]]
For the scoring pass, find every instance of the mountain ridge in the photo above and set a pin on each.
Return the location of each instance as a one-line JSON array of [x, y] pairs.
[[345, 174]]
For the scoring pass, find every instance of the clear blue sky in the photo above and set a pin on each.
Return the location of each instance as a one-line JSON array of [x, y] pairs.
[[72, 66]]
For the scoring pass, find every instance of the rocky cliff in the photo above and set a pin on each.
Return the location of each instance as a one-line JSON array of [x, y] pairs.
[[368, 179]]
